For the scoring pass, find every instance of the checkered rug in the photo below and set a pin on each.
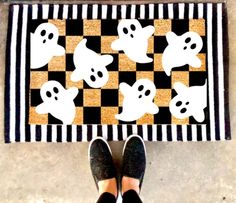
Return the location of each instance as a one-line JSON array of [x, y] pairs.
[[189, 103]]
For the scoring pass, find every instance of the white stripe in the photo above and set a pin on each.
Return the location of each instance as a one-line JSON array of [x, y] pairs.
[[133, 9], [45, 11], [64, 133], [84, 133], [210, 71], [65, 12], [124, 132], [43, 133], [164, 133], [142, 11], [74, 10], [184, 133], [145, 132], [194, 132], [123, 11], [191, 11], [32, 133], [114, 12], [181, 10], [95, 11], [220, 72], [115, 132], [55, 11], [170, 11], [22, 72], [54, 133], [204, 133], [151, 11], [104, 131], [200, 10], [160, 11], [154, 132], [13, 73], [174, 132], [104, 11], [84, 11], [94, 131], [34, 11], [134, 130], [74, 133]]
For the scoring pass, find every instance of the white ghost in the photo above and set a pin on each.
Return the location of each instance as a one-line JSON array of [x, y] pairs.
[[44, 45], [90, 66], [58, 101], [138, 100], [133, 40], [189, 101], [181, 50]]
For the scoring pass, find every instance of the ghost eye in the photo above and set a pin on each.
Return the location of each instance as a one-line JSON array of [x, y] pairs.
[[125, 30], [140, 88], [100, 74], [188, 40], [132, 27], [55, 90], [43, 32], [48, 94], [179, 103], [50, 36], [147, 92], [193, 46]]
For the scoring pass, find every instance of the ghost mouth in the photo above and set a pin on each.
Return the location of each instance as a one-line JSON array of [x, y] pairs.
[[132, 36], [44, 40]]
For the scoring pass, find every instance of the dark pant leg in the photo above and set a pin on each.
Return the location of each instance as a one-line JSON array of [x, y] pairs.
[[131, 196], [107, 198]]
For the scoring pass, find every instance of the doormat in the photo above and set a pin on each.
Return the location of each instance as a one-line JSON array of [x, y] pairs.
[[74, 72]]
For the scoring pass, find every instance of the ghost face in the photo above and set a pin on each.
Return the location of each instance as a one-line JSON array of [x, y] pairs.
[[128, 29], [47, 34], [144, 90], [52, 91]]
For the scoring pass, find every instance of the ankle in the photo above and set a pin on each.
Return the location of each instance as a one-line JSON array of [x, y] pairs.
[[108, 185], [130, 184]]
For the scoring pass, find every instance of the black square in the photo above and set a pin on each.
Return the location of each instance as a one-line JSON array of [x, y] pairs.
[[78, 100], [145, 23], [146, 66], [33, 24], [53, 120], [204, 47], [161, 80], [92, 115], [163, 116], [74, 27], [70, 66], [59, 76], [114, 65], [160, 43], [128, 77], [181, 68], [124, 122], [197, 78], [43, 68], [109, 27], [62, 41], [179, 27], [109, 97], [35, 97], [94, 43]]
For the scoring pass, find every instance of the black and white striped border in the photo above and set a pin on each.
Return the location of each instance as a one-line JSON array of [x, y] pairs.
[[17, 73]]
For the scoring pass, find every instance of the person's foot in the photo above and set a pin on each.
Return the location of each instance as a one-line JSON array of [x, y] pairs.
[[102, 166], [134, 164]]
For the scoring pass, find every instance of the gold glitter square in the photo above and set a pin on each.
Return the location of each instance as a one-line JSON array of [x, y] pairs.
[[35, 118], [180, 76], [163, 97], [106, 42], [113, 82], [92, 97], [150, 49], [146, 119], [145, 75], [58, 63], [178, 121], [37, 79], [162, 27], [202, 57], [71, 43], [92, 27], [61, 26], [78, 116], [69, 83], [121, 98], [125, 64], [108, 115], [197, 25], [158, 62]]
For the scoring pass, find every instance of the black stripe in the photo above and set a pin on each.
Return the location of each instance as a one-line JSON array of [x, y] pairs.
[[150, 133], [140, 130], [215, 72], [128, 11], [165, 11], [79, 133], [120, 133], [49, 133], [70, 11], [195, 11], [59, 133], [159, 133], [146, 14], [176, 10], [40, 11], [109, 133], [199, 133], [99, 11], [169, 133], [50, 12], [99, 130], [38, 133], [90, 11], [60, 12], [118, 11], [79, 11], [137, 12], [109, 12], [205, 11], [129, 130], [18, 71], [179, 133], [156, 11], [186, 11], [69, 133], [189, 132], [90, 132], [226, 70]]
